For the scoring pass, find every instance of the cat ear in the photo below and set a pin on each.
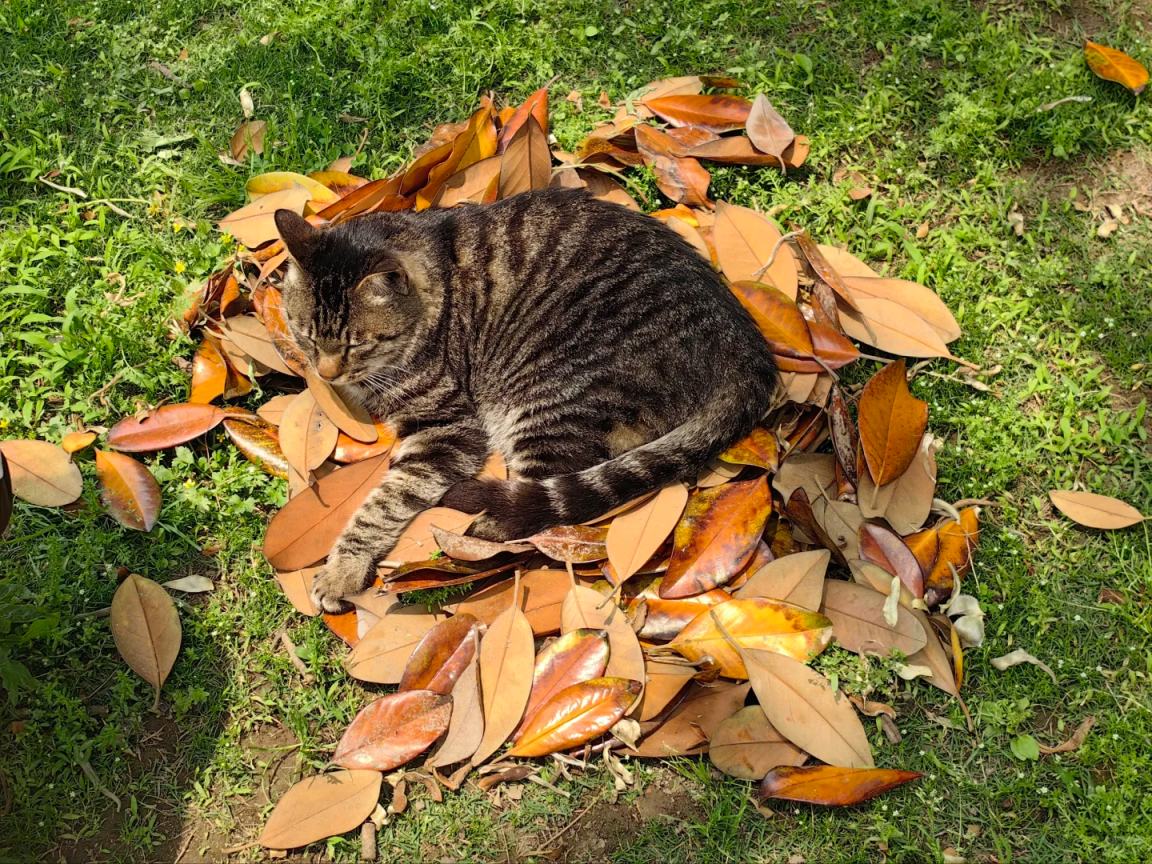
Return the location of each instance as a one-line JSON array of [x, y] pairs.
[[388, 277], [299, 237]]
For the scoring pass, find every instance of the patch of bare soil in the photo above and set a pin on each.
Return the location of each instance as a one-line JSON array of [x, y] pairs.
[[1077, 18], [272, 752], [607, 828]]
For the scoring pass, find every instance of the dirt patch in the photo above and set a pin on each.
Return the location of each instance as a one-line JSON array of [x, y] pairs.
[[272, 753], [1076, 18], [610, 827]]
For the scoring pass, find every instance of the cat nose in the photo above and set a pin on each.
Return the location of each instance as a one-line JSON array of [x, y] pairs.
[[329, 366]]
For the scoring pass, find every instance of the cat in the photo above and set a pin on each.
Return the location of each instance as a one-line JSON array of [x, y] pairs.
[[586, 342]]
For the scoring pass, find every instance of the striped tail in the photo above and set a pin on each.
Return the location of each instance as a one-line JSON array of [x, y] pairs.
[[516, 509]]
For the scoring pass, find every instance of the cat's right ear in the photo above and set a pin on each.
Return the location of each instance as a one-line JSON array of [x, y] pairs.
[[299, 237]]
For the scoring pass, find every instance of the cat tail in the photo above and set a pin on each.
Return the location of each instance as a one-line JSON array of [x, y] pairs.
[[515, 509]]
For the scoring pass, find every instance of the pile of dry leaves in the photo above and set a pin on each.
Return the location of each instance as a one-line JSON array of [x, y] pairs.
[[822, 525]]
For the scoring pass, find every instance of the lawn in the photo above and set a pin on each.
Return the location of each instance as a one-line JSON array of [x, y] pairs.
[[934, 101]]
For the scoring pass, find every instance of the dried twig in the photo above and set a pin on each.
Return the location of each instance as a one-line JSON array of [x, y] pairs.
[[290, 648], [71, 190], [103, 790]]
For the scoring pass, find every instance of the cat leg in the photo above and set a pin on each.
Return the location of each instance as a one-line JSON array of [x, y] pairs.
[[428, 463]]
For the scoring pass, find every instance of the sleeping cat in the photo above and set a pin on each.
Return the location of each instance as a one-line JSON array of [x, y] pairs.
[[587, 343]]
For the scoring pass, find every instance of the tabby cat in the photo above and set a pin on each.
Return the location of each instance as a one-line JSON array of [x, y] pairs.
[[587, 343]]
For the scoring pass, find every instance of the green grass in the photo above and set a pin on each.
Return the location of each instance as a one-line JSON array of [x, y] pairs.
[[934, 101]]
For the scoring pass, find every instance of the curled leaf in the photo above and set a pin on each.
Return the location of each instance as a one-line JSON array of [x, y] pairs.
[[1015, 658], [830, 785]]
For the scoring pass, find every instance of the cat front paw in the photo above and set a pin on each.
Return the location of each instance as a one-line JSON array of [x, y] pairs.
[[341, 577]]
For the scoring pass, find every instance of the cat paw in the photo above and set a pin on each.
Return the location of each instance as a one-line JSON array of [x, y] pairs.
[[339, 578]]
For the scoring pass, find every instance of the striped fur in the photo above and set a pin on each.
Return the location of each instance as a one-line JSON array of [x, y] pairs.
[[589, 344]]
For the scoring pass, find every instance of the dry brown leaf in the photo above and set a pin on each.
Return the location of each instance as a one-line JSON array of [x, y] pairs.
[[128, 490], [526, 163], [321, 806], [146, 629], [892, 423], [307, 436], [636, 535], [466, 728], [767, 129], [585, 609], [858, 623], [796, 579], [254, 224], [1095, 511], [507, 658], [747, 746], [694, 719], [297, 587], [744, 241], [351, 417], [383, 654], [41, 473], [1076, 741]]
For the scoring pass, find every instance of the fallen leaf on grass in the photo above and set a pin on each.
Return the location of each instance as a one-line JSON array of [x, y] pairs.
[[128, 490], [41, 473], [759, 622], [577, 714], [146, 629], [716, 113], [249, 137], [165, 427], [716, 536], [1075, 742], [636, 535], [254, 224], [442, 655], [321, 806], [585, 609], [304, 531], [506, 666], [74, 442], [1015, 658], [892, 422], [253, 338], [1095, 511], [957, 543], [579, 655], [393, 730], [767, 129], [859, 625], [1113, 65], [260, 445], [190, 584], [747, 746], [832, 786]]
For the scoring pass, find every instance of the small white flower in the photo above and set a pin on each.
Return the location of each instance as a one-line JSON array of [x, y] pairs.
[[1075, 617], [1043, 790], [1099, 669], [922, 753], [1115, 736], [1019, 775], [931, 776], [883, 806]]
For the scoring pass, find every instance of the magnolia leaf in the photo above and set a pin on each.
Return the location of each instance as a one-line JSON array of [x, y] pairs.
[[321, 806], [41, 473], [1095, 511], [832, 786], [146, 629], [128, 490]]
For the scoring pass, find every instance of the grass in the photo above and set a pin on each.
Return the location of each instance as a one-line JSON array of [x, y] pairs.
[[935, 100]]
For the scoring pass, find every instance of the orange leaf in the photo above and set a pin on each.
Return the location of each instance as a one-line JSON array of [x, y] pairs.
[[526, 163], [475, 143], [744, 241], [579, 655], [634, 536], [543, 594], [957, 543], [307, 436], [383, 654], [277, 326], [305, 529], [536, 106], [1113, 65], [506, 667], [892, 422], [832, 786], [74, 442], [393, 730], [715, 113], [349, 450], [759, 448], [260, 445], [348, 415], [716, 536], [340, 182], [683, 180], [165, 427], [443, 653], [128, 490], [925, 545], [254, 224], [664, 619], [577, 714], [470, 186], [777, 317], [586, 609], [758, 622], [209, 374]]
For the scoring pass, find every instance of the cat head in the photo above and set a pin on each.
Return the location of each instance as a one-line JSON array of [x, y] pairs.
[[354, 296]]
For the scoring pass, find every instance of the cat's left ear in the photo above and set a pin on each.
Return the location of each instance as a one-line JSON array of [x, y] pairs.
[[387, 277], [299, 237]]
